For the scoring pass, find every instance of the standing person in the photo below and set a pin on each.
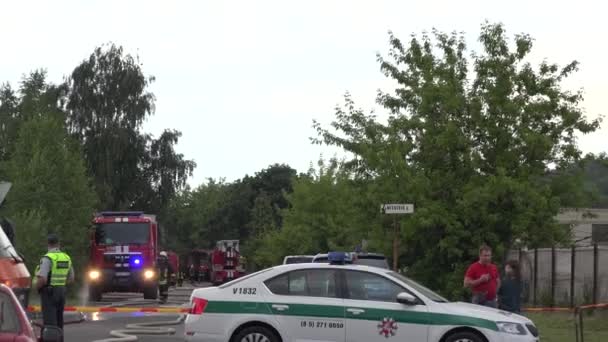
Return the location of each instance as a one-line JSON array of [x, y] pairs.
[[52, 275], [483, 279], [191, 274], [165, 270], [509, 294]]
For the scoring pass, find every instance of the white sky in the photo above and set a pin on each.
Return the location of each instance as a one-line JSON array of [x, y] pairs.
[[243, 80]]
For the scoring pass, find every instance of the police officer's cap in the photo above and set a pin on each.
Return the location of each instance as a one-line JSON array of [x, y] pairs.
[[52, 239]]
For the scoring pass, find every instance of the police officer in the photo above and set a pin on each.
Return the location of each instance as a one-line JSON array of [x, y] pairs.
[[165, 270], [53, 274]]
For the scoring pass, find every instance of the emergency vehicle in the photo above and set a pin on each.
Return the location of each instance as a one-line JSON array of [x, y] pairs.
[[13, 272], [123, 254], [225, 262], [198, 261], [337, 301]]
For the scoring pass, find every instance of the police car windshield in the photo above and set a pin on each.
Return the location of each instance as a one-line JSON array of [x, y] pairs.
[[421, 289], [122, 233]]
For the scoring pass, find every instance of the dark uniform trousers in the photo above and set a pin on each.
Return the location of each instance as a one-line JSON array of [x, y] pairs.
[[53, 302]]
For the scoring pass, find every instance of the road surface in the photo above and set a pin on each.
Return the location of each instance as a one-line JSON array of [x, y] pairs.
[[98, 325]]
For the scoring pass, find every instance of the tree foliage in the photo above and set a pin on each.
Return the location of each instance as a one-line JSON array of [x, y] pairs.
[[102, 107], [469, 142], [327, 211], [107, 105], [217, 210], [51, 190]]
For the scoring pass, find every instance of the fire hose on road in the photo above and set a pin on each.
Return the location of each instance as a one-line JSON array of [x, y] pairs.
[[149, 328], [130, 332]]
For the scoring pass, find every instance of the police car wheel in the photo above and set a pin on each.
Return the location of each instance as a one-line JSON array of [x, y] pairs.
[[464, 336], [255, 334]]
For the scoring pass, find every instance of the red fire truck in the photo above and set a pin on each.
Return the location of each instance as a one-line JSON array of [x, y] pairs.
[[123, 254], [197, 264], [225, 262]]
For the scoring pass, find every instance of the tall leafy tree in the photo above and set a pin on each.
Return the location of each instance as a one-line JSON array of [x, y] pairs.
[[51, 190], [470, 149], [244, 209], [35, 98], [327, 210], [163, 173], [9, 118], [108, 102], [107, 105]]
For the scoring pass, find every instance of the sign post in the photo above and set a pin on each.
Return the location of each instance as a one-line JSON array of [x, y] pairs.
[[396, 209]]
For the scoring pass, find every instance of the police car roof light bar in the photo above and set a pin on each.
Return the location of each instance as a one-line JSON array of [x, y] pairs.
[[338, 258]]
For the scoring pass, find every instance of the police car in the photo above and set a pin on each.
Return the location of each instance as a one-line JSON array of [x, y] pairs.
[[342, 302]]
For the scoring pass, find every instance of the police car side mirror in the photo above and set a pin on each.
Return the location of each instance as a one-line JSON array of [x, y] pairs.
[[51, 333], [406, 299]]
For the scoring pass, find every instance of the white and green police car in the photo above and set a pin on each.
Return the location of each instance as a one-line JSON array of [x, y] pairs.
[[336, 302]]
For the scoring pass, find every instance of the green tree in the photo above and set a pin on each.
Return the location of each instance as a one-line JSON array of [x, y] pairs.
[[163, 173], [596, 179], [107, 104], [193, 216], [36, 98], [470, 149], [242, 209], [327, 210], [51, 190], [9, 117]]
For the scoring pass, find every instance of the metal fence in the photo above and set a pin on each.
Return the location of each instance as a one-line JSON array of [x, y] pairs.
[[563, 276]]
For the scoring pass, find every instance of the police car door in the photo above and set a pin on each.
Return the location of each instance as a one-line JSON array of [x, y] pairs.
[[307, 306], [373, 313]]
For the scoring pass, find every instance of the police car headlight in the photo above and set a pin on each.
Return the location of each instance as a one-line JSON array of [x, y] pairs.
[[94, 275], [511, 328]]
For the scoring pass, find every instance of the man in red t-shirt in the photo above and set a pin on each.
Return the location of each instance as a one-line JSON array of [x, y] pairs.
[[483, 279]]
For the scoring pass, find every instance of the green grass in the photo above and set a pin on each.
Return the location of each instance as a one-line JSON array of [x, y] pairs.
[[559, 327]]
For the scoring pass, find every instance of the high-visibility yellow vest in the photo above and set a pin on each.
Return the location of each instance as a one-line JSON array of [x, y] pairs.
[[60, 268]]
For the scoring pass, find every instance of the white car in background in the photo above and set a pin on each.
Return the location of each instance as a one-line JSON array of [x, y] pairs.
[[339, 302], [297, 259], [357, 258]]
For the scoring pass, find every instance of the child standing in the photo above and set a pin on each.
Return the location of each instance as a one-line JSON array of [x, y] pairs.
[[509, 294]]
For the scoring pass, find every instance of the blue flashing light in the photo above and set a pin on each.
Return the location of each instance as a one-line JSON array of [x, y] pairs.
[[338, 258], [136, 261]]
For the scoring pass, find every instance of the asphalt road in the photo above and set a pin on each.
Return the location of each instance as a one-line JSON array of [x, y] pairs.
[[98, 325], [97, 330]]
